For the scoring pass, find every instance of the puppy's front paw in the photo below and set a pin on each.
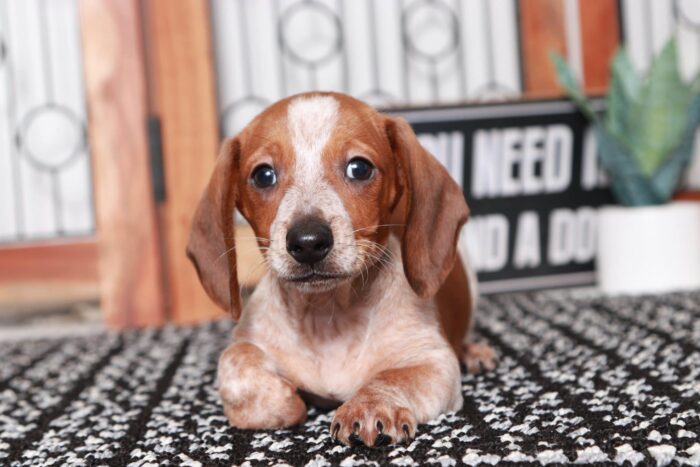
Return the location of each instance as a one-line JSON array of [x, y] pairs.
[[478, 357], [254, 396], [372, 421], [266, 401]]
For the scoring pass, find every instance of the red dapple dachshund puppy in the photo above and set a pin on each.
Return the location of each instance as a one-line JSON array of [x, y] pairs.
[[364, 303]]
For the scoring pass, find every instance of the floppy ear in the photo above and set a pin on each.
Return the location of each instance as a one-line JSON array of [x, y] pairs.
[[211, 247], [435, 211]]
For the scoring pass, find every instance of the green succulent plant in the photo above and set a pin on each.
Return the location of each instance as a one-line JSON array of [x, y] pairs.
[[646, 137]]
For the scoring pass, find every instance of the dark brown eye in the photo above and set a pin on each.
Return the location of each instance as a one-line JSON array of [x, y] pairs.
[[264, 176], [359, 169]]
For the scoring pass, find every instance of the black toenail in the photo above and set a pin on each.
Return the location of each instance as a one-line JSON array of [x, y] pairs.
[[355, 440], [334, 431], [356, 427], [380, 426], [405, 430], [382, 440]]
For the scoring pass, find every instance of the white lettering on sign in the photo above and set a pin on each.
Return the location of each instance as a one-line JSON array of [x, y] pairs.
[[571, 239], [505, 161], [487, 240], [558, 152], [486, 158], [571, 236], [532, 155], [511, 155], [592, 176], [527, 241], [448, 148]]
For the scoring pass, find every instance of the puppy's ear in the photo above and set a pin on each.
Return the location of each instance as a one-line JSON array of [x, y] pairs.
[[435, 211], [211, 247]]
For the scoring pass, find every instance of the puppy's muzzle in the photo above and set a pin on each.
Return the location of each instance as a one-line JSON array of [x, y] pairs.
[[309, 240]]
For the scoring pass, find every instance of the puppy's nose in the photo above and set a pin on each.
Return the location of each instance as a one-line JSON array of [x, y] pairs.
[[309, 240]]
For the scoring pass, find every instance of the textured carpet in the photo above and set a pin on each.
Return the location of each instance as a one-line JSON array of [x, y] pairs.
[[613, 380]]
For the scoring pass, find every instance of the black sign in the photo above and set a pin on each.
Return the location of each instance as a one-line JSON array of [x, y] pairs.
[[530, 176]]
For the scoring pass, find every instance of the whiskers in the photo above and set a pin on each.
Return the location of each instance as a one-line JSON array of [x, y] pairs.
[[374, 228], [376, 253], [251, 237], [263, 262], [263, 248], [371, 257], [371, 254]]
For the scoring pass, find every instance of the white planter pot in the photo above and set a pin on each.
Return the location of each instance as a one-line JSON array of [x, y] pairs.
[[649, 249]]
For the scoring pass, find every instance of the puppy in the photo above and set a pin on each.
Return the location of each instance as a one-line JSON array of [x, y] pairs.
[[364, 303]]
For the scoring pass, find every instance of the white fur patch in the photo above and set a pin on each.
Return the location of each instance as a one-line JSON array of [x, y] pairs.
[[311, 122]]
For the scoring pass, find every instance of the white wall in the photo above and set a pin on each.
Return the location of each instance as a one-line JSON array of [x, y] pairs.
[[45, 188], [479, 38]]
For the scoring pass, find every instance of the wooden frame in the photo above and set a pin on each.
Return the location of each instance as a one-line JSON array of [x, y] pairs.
[[543, 30], [184, 98], [68, 260], [47, 274], [130, 263], [690, 195], [600, 36]]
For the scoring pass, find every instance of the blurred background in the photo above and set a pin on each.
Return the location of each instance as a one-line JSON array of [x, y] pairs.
[[112, 111]]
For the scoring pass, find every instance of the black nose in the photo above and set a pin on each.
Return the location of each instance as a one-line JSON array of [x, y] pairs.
[[309, 240]]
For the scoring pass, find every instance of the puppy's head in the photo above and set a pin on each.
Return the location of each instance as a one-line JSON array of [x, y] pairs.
[[321, 178]]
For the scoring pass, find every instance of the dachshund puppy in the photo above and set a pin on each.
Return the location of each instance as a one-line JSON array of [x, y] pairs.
[[364, 303]]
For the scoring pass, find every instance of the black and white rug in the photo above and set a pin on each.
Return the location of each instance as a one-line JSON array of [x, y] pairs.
[[582, 379]]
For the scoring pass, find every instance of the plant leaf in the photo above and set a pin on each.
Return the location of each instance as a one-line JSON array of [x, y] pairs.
[[658, 119], [622, 96], [571, 86], [665, 179], [629, 184], [624, 72], [695, 84]]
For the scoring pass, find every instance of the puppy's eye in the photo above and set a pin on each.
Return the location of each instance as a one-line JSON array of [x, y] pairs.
[[264, 176], [359, 169]]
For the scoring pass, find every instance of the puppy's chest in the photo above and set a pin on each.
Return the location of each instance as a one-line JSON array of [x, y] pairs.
[[333, 367]]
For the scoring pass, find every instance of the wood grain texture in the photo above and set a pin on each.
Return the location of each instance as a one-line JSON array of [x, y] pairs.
[[67, 260], [130, 266], [541, 32], [24, 299], [184, 84], [600, 37]]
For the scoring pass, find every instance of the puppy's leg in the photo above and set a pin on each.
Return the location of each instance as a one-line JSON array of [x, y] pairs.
[[253, 394], [388, 409], [476, 356]]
